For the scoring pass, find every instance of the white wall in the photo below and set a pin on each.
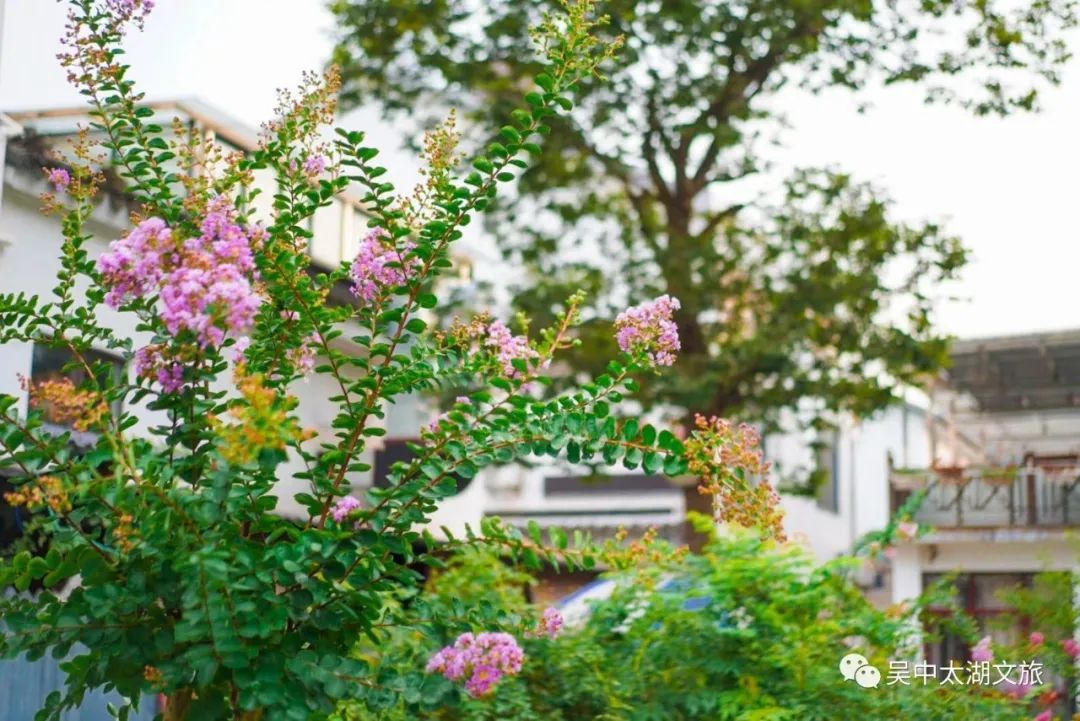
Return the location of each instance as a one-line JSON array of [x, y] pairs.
[[862, 477], [1001, 551]]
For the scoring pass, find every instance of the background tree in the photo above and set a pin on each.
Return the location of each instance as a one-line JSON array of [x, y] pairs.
[[814, 297]]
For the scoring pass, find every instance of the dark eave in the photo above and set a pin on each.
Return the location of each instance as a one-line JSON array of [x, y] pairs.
[[1031, 372]]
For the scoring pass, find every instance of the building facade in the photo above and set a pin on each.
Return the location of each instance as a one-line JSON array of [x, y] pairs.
[[1002, 500]]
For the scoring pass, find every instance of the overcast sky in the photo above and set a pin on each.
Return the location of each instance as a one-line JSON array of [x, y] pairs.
[[1005, 186]]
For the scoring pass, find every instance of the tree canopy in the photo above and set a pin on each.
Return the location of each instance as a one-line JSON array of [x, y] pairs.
[[811, 295]]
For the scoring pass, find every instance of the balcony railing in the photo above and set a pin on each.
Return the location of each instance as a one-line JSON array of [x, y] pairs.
[[1021, 497]]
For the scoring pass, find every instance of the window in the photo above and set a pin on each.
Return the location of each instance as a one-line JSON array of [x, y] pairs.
[[54, 362], [826, 474], [10, 517], [51, 363], [981, 597], [397, 450]]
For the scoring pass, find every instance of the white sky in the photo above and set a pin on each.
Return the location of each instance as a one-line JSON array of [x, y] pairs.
[[1005, 186]]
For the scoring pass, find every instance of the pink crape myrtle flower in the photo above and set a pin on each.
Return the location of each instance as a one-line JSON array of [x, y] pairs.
[[134, 265], [130, 10], [481, 660], [1036, 638], [435, 423], [649, 328], [1046, 715], [1020, 690], [152, 363], [380, 266], [343, 507], [303, 358], [314, 165], [224, 240], [1071, 646], [508, 347], [59, 178], [205, 283], [127, 8], [213, 303], [550, 624], [907, 530], [982, 650]]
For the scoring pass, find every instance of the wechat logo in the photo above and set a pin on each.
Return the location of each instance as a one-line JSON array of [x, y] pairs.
[[855, 667]]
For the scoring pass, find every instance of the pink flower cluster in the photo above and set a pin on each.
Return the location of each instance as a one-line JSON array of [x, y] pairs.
[[509, 347], [550, 624], [59, 178], [379, 265], [134, 265], [211, 302], [343, 507], [125, 10], [153, 363], [982, 651], [1018, 690], [649, 328], [1071, 646], [482, 660], [303, 358], [314, 165], [204, 283]]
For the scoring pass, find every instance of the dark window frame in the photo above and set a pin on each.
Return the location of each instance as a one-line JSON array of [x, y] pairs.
[[55, 367], [967, 585]]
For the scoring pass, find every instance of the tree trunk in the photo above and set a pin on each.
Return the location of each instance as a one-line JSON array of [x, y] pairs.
[[177, 705], [703, 504], [693, 341]]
